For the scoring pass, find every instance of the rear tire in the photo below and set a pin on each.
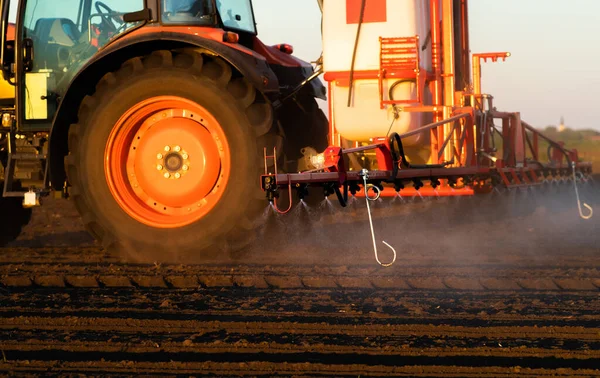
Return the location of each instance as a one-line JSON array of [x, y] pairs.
[[304, 125], [116, 209]]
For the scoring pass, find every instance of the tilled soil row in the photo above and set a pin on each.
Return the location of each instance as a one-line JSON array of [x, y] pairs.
[[492, 278], [79, 335], [76, 258], [242, 349], [266, 345], [57, 255], [183, 328], [342, 307], [281, 369], [246, 331]]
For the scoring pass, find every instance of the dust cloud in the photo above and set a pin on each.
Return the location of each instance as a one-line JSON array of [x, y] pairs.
[[533, 223], [539, 225]]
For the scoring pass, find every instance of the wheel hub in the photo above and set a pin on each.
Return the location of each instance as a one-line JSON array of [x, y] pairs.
[[166, 188], [173, 162]]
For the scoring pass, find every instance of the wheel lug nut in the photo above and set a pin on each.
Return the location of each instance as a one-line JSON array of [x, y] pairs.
[[159, 167], [159, 156], [177, 175], [185, 168], [167, 175], [185, 156], [177, 148], [167, 148]]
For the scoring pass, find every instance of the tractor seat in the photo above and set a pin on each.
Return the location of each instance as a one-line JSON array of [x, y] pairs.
[[54, 39], [59, 31]]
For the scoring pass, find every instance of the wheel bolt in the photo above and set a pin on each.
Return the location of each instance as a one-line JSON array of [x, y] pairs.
[[159, 156], [167, 148], [159, 167], [167, 175], [177, 148], [185, 168], [185, 156], [177, 175]]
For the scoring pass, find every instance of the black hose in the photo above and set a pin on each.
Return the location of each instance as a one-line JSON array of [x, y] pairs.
[[342, 198], [396, 83], [391, 97], [360, 22], [397, 151]]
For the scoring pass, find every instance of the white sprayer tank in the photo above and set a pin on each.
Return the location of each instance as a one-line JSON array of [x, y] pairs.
[[364, 119]]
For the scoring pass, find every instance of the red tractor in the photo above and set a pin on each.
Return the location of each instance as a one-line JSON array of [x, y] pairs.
[[163, 120], [152, 116]]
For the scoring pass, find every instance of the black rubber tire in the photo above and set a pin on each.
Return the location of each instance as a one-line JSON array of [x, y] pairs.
[[304, 125], [245, 117], [12, 219]]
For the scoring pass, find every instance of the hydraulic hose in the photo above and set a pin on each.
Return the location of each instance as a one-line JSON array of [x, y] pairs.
[[360, 22], [396, 83]]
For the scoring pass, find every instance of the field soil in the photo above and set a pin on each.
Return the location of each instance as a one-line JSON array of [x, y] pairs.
[[501, 285]]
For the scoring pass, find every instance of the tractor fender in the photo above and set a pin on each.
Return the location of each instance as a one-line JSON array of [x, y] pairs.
[[252, 66]]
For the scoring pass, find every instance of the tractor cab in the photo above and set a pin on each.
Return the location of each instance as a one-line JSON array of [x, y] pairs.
[[54, 40], [58, 38]]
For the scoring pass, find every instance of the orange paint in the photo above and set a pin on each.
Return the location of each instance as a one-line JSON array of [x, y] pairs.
[[137, 160], [10, 32], [427, 191], [375, 11]]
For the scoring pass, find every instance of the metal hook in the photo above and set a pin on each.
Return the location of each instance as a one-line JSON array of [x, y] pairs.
[[581, 214], [290, 199], [365, 175], [589, 208]]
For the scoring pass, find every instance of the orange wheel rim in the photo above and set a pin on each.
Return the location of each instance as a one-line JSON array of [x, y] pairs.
[[167, 162]]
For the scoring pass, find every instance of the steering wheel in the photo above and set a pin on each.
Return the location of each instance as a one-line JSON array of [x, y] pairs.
[[110, 18]]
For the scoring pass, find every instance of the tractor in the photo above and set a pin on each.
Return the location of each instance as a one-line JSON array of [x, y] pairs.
[[152, 116], [169, 123]]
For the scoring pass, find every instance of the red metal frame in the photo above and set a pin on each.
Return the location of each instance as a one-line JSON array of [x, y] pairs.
[[517, 167], [463, 133], [477, 58], [400, 57]]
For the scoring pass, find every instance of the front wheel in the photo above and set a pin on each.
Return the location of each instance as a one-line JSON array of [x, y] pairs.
[[165, 159]]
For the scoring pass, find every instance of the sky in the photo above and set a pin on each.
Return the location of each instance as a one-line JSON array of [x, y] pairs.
[[554, 69]]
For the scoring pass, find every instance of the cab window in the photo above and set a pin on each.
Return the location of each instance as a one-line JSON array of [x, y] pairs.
[[198, 12], [65, 35], [237, 14]]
